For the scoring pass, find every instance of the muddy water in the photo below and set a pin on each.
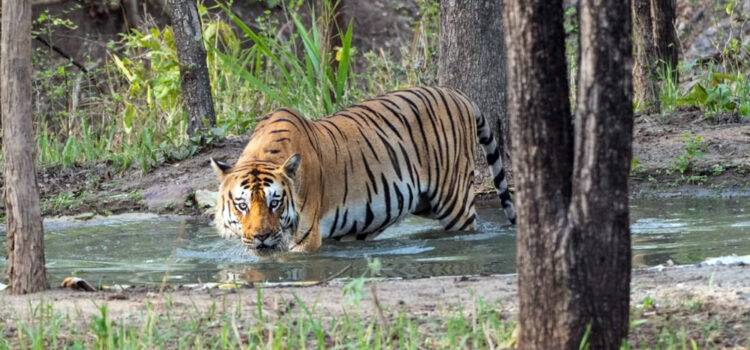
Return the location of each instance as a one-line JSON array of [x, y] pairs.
[[135, 249]]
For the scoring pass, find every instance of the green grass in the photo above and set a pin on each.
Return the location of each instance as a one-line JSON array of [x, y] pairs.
[[693, 147], [258, 319], [224, 325]]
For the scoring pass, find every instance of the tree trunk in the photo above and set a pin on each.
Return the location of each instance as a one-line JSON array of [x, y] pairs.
[[598, 238], [132, 13], [25, 238], [541, 124], [573, 233], [472, 60], [196, 86], [665, 36], [644, 72]]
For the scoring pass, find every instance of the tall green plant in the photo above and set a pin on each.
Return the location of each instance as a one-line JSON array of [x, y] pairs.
[[294, 72]]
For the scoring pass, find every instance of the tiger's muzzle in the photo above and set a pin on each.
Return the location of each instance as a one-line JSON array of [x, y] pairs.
[[265, 243]]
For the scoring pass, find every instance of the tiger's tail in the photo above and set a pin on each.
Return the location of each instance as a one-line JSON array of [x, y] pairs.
[[495, 161]]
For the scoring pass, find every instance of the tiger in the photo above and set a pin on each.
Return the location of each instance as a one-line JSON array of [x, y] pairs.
[[358, 171]]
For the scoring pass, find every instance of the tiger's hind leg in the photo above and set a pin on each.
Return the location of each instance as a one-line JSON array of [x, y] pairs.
[[461, 214]]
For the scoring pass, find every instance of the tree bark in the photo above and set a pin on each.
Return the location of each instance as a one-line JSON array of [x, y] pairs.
[[573, 233], [598, 237], [665, 36], [196, 86], [644, 72], [472, 60], [25, 238], [132, 13], [541, 124]]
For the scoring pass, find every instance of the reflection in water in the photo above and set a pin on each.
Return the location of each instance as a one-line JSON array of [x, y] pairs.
[[153, 249]]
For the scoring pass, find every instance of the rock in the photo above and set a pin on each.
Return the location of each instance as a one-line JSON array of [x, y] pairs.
[[705, 45], [85, 216], [3, 286], [206, 198], [171, 196]]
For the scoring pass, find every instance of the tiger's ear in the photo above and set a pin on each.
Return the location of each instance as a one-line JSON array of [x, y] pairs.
[[291, 165], [220, 168]]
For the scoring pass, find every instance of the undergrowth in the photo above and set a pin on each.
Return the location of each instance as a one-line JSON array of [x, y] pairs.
[[127, 111]]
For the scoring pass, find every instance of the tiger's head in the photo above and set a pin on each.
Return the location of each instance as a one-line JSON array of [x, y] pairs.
[[256, 204]]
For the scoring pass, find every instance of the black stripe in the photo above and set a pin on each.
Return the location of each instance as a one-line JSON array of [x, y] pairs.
[[384, 119], [335, 222], [392, 155], [343, 221], [368, 217], [461, 212], [399, 199], [387, 193], [468, 222], [417, 117], [411, 196], [346, 183], [353, 229], [367, 140], [499, 178], [494, 156], [369, 173]]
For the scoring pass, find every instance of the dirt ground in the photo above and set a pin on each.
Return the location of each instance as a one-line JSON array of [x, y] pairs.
[[688, 297]]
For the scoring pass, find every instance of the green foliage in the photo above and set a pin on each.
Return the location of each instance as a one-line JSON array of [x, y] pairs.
[[224, 326], [128, 111], [272, 67], [715, 92], [717, 169], [693, 146]]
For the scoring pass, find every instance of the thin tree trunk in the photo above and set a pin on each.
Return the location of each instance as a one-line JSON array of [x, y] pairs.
[[665, 36], [472, 60], [25, 238], [132, 13], [541, 124], [598, 238], [644, 72], [573, 234], [196, 86]]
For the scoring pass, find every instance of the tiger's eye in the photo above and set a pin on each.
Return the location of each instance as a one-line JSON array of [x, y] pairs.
[[242, 206], [274, 203]]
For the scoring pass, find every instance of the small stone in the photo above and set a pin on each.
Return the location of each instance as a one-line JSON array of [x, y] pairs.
[[228, 286], [206, 199], [3, 286], [85, 216], [117, 288]]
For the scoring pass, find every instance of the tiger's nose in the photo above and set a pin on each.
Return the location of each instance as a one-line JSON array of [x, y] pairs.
[[263, 236]]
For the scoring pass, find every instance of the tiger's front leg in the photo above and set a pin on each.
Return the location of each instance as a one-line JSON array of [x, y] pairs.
[[308, 242]]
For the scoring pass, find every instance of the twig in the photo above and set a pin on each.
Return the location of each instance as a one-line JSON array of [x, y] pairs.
[[62, 53], [378, 307], [331, 277]]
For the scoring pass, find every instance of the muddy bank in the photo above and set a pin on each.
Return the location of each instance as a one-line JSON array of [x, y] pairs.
[[688, 297]]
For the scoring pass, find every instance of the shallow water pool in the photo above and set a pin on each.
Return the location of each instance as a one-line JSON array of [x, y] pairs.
[[150, 249]]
